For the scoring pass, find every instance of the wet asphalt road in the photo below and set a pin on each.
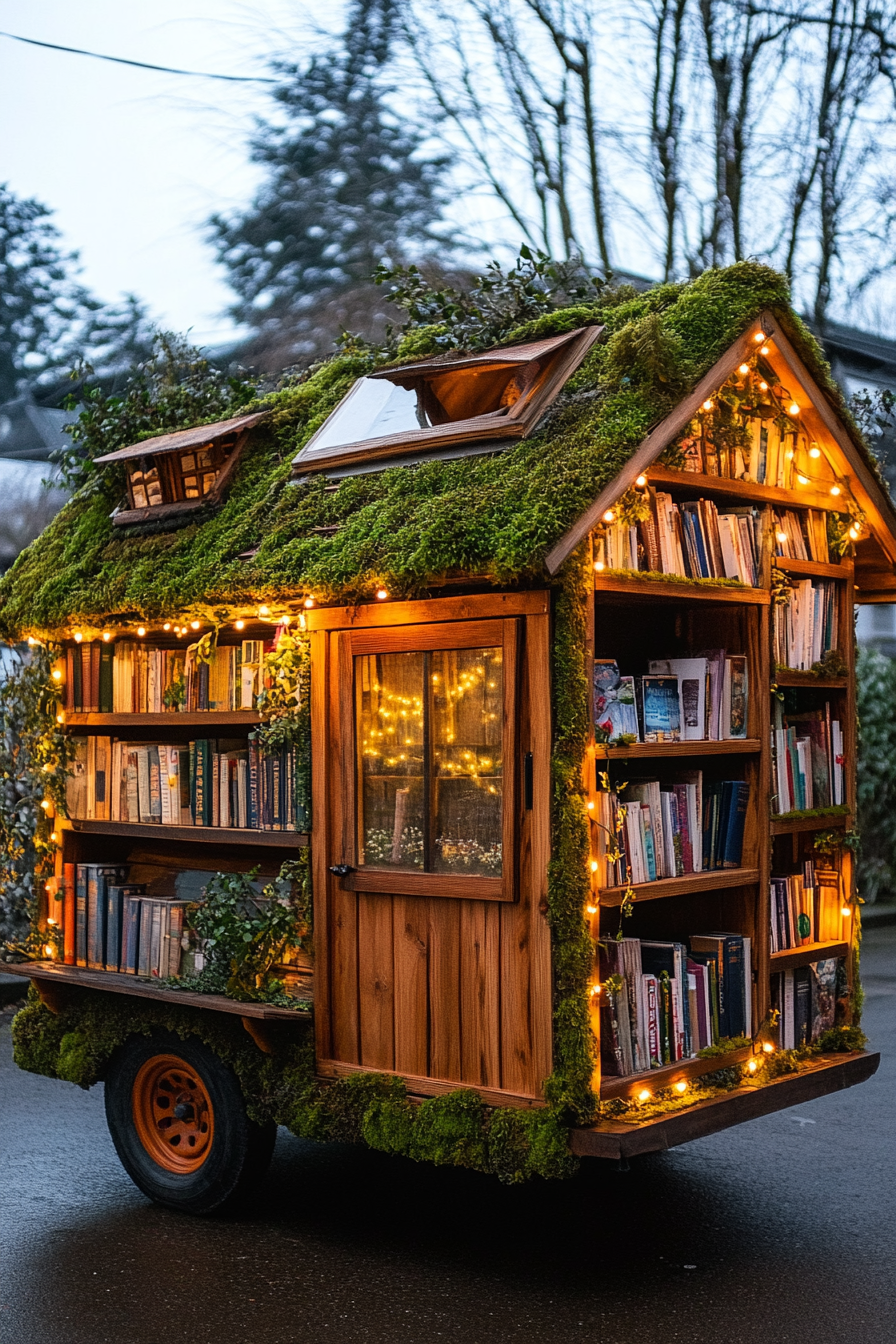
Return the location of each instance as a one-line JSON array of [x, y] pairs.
[[781, 1230]]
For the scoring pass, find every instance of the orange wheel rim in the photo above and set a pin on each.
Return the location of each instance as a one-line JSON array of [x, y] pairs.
[[173, 1114]]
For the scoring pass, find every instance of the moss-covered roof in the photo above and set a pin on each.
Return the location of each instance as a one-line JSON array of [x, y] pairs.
[[494, 516]]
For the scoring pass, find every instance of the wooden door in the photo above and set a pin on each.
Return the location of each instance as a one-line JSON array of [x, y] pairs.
[[431, 745]]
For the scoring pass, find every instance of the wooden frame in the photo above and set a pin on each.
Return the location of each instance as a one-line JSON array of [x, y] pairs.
[[501, 633]]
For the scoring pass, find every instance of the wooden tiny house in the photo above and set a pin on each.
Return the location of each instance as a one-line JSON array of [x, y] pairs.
[[481, 878]]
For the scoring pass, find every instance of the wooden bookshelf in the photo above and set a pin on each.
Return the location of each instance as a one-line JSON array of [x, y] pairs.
[[62, 977], [785, 676], [716, 879], [200, 835], [669, 1074], [729, 746], [813, 568], [800, 497], [681, 590], [796, 824], [209, 718], [803, 956]]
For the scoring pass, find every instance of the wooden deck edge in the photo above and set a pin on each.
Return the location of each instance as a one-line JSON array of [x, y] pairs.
[[113, 982], [612, 1139], [329, 1069]]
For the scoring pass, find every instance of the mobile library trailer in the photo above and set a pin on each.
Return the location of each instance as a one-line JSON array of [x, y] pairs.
[[535, 665]]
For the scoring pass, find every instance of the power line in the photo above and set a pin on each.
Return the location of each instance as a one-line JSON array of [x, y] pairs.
[[141, 65]]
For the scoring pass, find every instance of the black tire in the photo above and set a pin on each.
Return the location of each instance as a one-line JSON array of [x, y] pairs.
[[232, 1153]]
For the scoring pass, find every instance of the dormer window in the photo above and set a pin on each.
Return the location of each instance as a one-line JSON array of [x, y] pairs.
[[174, 474], [451, 400]]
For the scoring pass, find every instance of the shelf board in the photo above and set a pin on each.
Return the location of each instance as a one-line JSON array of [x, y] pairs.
[[209, 718], [115, 983], [824, 1074], [683, 1071], [681, 886], [794, 825], [802, 956], [814, 567], [684, 590], [789, 677], [201, 835], [730, 746], [801, 496]]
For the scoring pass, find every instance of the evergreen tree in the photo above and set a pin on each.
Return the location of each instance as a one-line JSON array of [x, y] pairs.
[[348, 186]]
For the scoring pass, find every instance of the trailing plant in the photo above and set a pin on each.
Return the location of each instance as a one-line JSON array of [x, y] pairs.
[[285, 704], [34, 756], [244, 934], [876, 774]]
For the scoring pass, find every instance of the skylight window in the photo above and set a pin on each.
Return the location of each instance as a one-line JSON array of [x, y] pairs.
[[437, 403]]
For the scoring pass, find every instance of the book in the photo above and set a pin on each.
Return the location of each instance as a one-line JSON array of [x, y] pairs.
[[615, 713], [69, 936], [661, 709], [81, 914]]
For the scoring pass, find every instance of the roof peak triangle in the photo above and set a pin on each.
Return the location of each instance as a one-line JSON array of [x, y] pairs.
[[819, 416]]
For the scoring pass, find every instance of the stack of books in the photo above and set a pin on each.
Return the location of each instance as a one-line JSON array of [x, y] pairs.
[[129, 677], [117, 926], [806, 999], [808, 759], [666, 830], [807, 625], [693, 540], [665, 1002], [806, 907], [767, 457], [682, 699], [802, 535], [224, 782]]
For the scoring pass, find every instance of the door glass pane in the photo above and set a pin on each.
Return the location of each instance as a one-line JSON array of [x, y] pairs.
[[430, 760], [467, 721], [389, 689]]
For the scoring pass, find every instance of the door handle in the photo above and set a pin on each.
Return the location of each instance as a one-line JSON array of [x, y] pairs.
[[341, 869]]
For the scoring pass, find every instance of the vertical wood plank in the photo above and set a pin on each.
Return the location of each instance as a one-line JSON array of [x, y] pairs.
[[376, 998], [444, 989], [760, 671], [480, 975], [320, 830], [538, 695], [410, 931], [346, 1045]]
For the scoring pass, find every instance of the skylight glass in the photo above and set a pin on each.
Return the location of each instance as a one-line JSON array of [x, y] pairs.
[[373, 409]]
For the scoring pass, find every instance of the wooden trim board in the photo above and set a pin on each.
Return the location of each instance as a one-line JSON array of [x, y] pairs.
[[203, 835], [432, 1087], [473, 606], [613, 1139]]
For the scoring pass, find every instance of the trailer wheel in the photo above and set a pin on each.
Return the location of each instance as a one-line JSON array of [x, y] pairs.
[[178, 1121]]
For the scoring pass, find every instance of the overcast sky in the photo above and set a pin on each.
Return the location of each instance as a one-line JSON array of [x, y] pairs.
[[133, 162]]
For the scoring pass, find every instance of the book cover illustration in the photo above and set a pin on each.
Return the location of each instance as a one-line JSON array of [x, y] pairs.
[[615, 712]]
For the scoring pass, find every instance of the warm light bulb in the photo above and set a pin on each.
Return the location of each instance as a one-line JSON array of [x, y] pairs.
[[760, 336], [285, 620], [763, 386], [751, 1065], [591, 805], [239, 625], [845, 911], [781, 536], [32, 641], [609, 516], [744, 369], [681, 1087], [763, 350], [309, 602], [45, 804], [60, 718], [768, 1048], [854, 533], [49, 950], [835, 490], [194, 625], [141, 630], [599, 566], [641, 481], [78, 637], [644, 1094], [591, 909], [815, 451], [381, 594], [106, 636], [803, 480], [56, 674], [54, 836], [264, 610], [167, 625], [707, 405], [594, 865], [595, 990], [793, 409]]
